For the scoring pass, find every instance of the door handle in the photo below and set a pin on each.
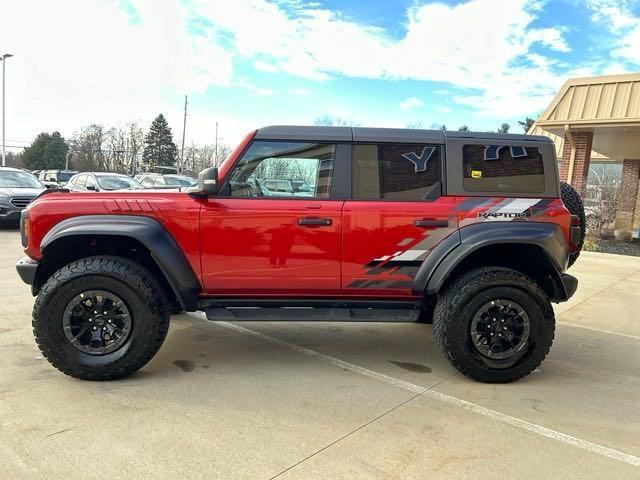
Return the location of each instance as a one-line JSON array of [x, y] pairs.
[[430, 222], [315, 221]]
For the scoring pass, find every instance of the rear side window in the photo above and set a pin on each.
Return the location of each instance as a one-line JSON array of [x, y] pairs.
[[503, 168], [396, 172]]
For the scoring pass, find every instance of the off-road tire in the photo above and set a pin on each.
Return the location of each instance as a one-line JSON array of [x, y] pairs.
[[460, 301], [134, 284], [573, 202]]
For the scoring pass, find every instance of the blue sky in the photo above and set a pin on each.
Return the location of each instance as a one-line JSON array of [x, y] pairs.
[[246, 63]]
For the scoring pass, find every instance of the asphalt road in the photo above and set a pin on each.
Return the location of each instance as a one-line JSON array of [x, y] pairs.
[[306, 401]]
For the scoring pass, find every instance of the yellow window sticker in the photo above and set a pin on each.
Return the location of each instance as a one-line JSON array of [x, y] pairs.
[[476, 174]]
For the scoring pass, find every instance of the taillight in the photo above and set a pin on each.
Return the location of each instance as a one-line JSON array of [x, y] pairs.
[[24, 228], [575, 232]]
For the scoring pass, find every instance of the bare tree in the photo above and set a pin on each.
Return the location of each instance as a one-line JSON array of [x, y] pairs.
[[199, 157], [601, 202], [327, 120], [86, 149]]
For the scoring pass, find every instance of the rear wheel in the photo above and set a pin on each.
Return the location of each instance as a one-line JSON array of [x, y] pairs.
[[494, 324], [100, 318], [573, 202]]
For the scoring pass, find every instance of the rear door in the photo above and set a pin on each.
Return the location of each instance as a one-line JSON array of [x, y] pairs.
[[396, 216]]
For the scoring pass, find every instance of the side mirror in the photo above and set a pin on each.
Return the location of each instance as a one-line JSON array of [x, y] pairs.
[[92, 188], [207, 183]]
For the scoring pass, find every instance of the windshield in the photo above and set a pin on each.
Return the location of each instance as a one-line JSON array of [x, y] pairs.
[[180, 181], [117, 183], [65, 176], [9, 179]]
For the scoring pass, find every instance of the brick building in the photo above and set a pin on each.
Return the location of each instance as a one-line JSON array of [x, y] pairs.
[[595, 122]]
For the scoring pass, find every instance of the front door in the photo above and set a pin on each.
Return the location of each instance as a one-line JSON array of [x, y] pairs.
[[274, 228], [396, 216]]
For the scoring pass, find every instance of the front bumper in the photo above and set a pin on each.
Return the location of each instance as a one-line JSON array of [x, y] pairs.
[[26, 268], [9, 215]]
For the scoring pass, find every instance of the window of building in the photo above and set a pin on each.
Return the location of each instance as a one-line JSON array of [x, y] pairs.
[[396, 172], [503, 168], [277, 169]]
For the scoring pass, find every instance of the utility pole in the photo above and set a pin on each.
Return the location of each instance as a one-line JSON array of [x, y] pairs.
[[4, 60], [66, 161], [184, 129]]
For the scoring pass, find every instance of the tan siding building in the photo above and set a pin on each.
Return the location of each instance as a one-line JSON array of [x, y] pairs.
[[597, 119]]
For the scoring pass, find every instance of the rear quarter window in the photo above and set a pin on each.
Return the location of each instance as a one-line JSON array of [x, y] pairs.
[[503, 169]]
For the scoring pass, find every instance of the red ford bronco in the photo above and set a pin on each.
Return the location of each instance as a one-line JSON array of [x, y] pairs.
[[471, 230]]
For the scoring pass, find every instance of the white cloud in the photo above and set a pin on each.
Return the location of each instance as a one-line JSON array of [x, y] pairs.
[[80, 62], [90, 62], [487, 49], [411, 103], [623, 25]]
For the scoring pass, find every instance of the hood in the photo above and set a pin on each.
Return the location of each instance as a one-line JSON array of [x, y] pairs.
[[20, 192]]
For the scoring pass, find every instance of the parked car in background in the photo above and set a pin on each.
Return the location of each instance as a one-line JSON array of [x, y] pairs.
[[55, 178], [156, 180], [17, 190], [101, 181], [283, 187]]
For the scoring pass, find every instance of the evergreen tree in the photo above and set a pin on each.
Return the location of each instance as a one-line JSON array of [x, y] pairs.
[[159, 148], [48, 150]]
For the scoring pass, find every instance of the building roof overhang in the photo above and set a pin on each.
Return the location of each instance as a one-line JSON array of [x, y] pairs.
[[608, 106]]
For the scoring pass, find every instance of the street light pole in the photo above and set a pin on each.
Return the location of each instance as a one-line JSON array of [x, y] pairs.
[[4, 60]]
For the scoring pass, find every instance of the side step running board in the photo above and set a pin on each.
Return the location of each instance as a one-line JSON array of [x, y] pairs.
[[310, 314]]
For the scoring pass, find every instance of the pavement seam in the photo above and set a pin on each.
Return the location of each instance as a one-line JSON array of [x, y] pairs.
[[338, 440], [361, 427], [445, 398]]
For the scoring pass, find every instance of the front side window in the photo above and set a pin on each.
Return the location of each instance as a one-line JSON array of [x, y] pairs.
[[147, 182], [284, 169], [119, 182], [503, 168], [396, 172]]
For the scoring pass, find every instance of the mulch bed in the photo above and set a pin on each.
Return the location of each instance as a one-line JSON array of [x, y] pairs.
[[609, 245]]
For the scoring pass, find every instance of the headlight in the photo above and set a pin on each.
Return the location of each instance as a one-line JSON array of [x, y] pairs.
[[24, 227]]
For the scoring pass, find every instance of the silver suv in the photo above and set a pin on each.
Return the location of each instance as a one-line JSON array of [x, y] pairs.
[[17, 190]]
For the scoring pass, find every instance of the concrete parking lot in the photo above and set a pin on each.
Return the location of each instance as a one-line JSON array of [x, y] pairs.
[[303, 400]]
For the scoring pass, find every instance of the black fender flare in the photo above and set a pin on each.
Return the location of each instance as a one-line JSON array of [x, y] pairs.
[[149, 232], [447, 255]]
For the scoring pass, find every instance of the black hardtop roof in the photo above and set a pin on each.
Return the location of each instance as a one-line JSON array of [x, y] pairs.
[[395, 135]]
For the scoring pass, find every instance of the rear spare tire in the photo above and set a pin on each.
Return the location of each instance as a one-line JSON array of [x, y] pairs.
[[573, 202]]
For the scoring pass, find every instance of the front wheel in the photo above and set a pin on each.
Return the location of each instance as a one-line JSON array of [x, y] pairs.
[[100, 318], [494, 324]]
